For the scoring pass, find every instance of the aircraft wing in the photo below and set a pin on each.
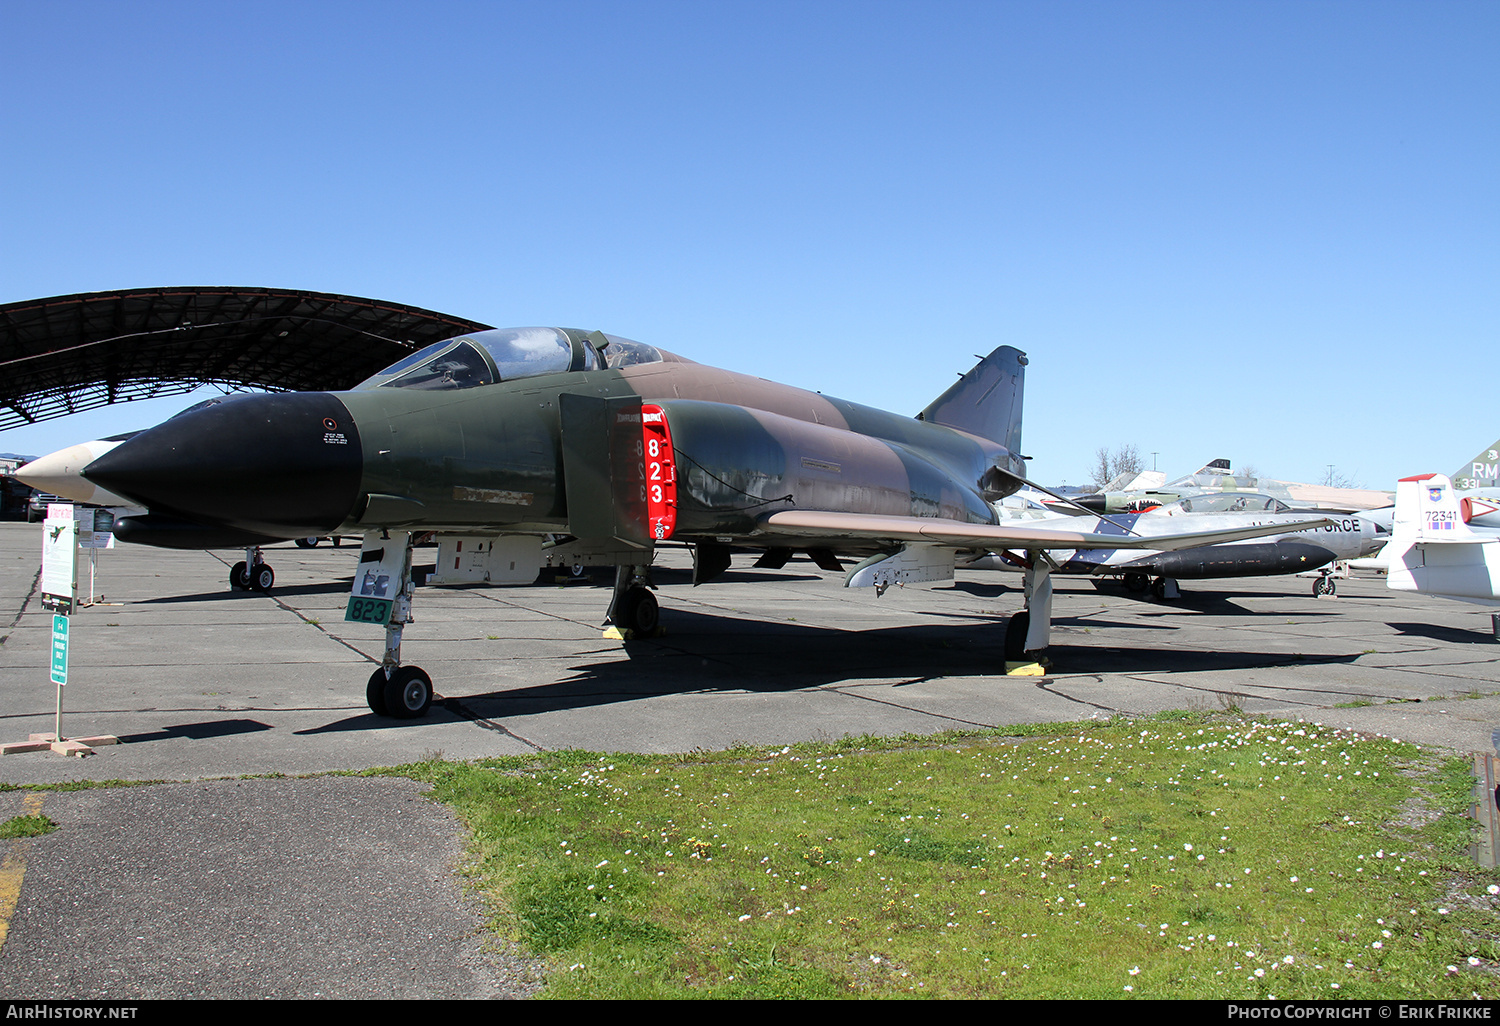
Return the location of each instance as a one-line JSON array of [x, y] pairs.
[[933, 531]]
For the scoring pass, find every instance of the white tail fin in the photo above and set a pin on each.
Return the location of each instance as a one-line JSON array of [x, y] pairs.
[[1432, 550], [1427, 511]]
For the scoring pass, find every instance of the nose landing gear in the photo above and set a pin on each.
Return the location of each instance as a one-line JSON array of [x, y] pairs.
[[252, 573]]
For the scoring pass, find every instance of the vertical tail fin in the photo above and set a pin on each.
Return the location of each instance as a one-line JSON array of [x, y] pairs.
[[1433, 551], [1480, 472], [986, 401], [1427, 511]]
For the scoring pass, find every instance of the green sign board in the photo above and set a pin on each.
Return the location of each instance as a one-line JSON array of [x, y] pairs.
[[59, 649], [368, 610]]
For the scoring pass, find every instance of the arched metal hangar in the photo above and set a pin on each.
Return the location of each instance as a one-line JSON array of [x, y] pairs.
[[64, 354]]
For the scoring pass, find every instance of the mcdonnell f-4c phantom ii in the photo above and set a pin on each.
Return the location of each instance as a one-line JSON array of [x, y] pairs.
[[521, 447]]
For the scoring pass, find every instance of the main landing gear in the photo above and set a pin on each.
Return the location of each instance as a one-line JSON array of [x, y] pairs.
[[1030, 631], [1163, 588], [252, 573], [633, 610]]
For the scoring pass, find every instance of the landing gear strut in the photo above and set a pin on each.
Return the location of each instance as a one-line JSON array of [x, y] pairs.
[[633, 607], [252, 573], [1030, 631], [402, 692]]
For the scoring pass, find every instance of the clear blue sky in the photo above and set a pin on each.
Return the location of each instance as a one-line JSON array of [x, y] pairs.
[[1259, 230]]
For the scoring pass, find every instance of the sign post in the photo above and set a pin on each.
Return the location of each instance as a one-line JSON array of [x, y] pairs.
[[60, 597], [60, 590]]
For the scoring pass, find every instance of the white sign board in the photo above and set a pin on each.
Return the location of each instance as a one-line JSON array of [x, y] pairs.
[[59, 559], [96, 528]]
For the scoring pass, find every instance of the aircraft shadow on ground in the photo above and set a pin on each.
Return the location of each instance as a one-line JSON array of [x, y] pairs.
[[1453, 635], [706, 653], [325, 588], [198, 731], [702, 653]]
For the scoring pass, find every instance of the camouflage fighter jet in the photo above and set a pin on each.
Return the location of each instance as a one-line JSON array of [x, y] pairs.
[[1150, 489], [521, 447]]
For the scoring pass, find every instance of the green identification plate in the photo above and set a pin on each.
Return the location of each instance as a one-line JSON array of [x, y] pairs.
[[368, 610]]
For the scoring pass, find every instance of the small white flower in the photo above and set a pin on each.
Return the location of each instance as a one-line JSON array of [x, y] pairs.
[[1473, 960], [1135, 970]]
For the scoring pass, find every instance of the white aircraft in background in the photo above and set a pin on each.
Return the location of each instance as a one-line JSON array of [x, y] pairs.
[[1432, 550], [1301, 550]]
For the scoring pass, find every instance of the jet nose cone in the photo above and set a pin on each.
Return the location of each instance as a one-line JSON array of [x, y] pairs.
[[284, 464], [61, 473]]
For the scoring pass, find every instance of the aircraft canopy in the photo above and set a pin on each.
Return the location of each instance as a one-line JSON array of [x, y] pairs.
[[1229, 502], [505, 354]]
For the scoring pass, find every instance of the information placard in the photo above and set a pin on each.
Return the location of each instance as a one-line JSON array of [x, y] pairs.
[[59, 559]]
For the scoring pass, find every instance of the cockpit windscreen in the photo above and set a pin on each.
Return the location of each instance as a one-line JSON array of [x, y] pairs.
[[483, 358]]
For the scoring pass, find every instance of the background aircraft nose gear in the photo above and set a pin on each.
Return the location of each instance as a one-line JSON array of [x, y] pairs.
[[252, 572]]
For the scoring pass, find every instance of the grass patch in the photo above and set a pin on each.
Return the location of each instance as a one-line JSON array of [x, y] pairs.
[[26, 826], [1197, 857]]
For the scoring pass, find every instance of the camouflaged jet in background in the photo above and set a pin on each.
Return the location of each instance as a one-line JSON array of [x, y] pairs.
[[1150, 489], [1477, 484], [522, 447]]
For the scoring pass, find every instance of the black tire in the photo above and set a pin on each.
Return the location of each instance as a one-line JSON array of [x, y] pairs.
[[1015, 636], [305, 543], [408, 693], [1159, 588], [577, 570], [1137, 582], [375, 691], [262, 577], [642, 613], [239, 577]]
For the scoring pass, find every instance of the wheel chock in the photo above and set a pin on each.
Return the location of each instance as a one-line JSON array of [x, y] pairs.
[[1025, 670], [613, 633]]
